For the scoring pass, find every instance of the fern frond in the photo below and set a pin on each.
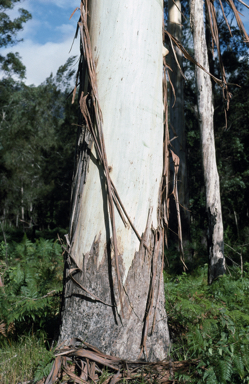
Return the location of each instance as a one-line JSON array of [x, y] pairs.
[[225, 369], [238, 363]]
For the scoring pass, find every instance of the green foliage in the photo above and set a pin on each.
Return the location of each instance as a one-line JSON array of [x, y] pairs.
[[37, 140], [11, 64], [210, 323], [32, 278], [44, 366], [233, 157], [8, 27]]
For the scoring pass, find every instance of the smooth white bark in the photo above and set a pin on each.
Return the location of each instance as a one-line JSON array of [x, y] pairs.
[[127, 47], [206, 123], [126, 39]]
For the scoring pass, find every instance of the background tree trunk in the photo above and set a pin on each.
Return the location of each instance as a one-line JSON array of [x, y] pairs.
[[126, 41], [205, 113], [177, 122]]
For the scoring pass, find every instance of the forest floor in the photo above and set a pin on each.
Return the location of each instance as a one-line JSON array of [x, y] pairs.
[[209, 325]]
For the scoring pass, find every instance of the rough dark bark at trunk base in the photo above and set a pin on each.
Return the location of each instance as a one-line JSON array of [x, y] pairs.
[[99, 324]]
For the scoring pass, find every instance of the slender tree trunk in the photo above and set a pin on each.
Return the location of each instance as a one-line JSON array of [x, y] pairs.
[[177, 123], [4, 216], [22, 206], [126, 42], [211, 177]]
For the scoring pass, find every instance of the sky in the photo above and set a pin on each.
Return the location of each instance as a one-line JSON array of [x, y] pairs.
[[49, 35]]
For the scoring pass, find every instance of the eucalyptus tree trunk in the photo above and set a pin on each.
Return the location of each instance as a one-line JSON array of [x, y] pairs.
[[177, 123], [206, 123], [126, 42]]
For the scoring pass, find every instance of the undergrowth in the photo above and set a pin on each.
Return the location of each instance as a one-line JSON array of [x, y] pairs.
[[211, 324], [30, 298], [208, 324]]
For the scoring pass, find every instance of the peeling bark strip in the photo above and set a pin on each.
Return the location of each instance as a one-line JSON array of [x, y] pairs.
[[87, 364], [211, 177], [177, 123], [165, 195], [99, 143], [166, 143], [190, 58], [213, 25], [150, 303], [113, 274], [176, 162]]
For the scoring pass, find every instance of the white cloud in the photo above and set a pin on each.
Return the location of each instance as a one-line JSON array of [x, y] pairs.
[[41, 60], [29, 29], [66, 29]]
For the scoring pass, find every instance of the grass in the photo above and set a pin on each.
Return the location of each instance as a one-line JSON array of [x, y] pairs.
[[208, 324], [19, 360]]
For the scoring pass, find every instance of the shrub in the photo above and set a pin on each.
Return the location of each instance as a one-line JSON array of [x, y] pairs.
[[32, 275], [211, 324]]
